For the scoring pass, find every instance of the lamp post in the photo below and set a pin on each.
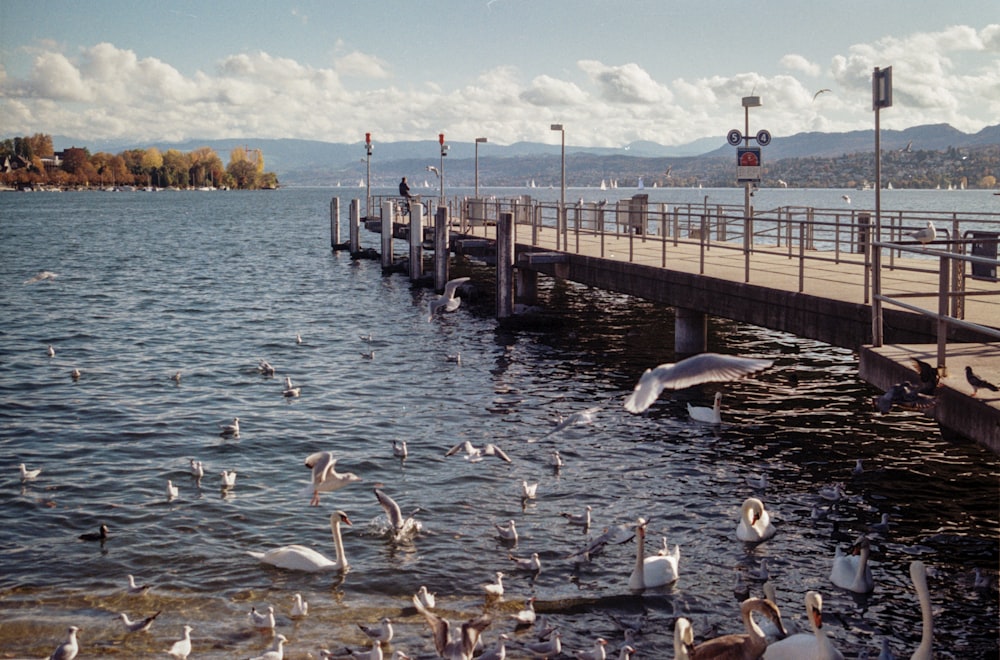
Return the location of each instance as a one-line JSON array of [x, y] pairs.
[[561, 222], [444, 152], [479, 140], [748, 102], [368, 180]]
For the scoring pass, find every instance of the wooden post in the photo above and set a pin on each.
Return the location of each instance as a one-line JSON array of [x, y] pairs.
[[416, 241], [388, 212], [334, 222], [505, 266], [441, 248], [355, 227]]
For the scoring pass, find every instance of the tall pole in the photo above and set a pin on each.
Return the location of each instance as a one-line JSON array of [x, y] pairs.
[[881, 98], [561, 222], [748, 102], [478, 141], [444, 152], [368, 180]]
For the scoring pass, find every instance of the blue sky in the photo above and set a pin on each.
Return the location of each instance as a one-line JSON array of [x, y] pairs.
[[611, 71]]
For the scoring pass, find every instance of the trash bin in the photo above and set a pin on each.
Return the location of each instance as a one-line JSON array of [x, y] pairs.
[[864, 231], [984, 244], [637, 209]]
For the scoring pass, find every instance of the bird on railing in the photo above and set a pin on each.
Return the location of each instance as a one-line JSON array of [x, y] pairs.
[[925, 235]]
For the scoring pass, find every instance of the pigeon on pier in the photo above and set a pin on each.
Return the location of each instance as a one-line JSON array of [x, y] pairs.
[[977, 382]]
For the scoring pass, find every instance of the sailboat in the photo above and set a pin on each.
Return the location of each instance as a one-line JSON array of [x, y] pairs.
[[604, 186], [361, 184], [641, 184]]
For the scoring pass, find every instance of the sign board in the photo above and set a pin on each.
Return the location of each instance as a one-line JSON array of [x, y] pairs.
[[882, 88], [748, 164]]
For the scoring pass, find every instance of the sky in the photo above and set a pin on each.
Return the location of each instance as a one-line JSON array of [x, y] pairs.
[[612, 72]]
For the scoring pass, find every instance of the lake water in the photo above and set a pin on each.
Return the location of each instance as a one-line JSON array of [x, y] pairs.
[[208, 284]]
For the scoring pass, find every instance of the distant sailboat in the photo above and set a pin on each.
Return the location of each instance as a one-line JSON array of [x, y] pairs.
[[532, 184], [604, 185], [641, 184], [361, 184]]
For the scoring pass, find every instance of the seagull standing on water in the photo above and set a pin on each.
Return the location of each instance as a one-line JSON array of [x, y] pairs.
[[447, 300], [697, 369]]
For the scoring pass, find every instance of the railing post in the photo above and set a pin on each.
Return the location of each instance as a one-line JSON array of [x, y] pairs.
[[803, 232], [944, 280]]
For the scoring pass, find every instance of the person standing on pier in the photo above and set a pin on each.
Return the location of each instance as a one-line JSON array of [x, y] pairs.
[[404, 192]]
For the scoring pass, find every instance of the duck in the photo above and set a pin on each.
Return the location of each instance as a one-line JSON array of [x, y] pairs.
[[755, 522], [852, 571], [706, 415], [918, 574], [653, 571], [743, 646], [301, 558], [100, 535], [804, 645]]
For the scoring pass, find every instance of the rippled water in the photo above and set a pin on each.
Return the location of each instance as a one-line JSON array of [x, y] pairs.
[[208, 284]]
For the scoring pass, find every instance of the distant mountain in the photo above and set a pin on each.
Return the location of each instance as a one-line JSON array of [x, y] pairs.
[[311, 161]]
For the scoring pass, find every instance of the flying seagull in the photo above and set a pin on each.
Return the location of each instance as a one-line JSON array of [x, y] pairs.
[[697, 369], [820, 92]]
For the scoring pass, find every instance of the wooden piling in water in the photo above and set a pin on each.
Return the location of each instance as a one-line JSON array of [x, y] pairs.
[[335, 223], [505, 265], [354, 230], [416, 241], [441, 248], [388, 212]]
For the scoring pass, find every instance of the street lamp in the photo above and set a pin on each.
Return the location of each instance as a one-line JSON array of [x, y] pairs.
[[444, 152], [478, 141], [368, 182], [748, 102], [561, 224]]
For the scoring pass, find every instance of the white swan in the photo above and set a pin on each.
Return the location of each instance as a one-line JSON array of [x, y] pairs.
[[325, 477], [653, 571], [743, 646], [816, 646], [918, 573], [755, 522], [301, 558], [705, 415], [697, 369], [852, 572]]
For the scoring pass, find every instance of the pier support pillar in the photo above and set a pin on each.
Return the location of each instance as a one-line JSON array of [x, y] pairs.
[[416, 241], [690, 332], [334, 222], [355, 226], [441, 248], [388, 212], [526, 286], [505, 266]]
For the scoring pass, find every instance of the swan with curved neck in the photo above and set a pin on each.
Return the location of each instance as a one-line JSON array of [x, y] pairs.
[[852, 571], [803, 645], [918, 573], [302, 558], [705, 415], [653, 571], [744, 646], [755, 522]]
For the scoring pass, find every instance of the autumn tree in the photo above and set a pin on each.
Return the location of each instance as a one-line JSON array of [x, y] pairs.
[[176, 166]]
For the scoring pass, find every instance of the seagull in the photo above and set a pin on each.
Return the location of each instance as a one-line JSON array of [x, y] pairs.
[[925, 235], [265, 368], [556, 461], [617, 535], [75, 374], [701, 368], [299, 606], [458, 644], [298, 338], [100, 535], [978, 382], [596, 653], [381, 633], [52, 351], [29, 475], [508, 532], [43, 275], [760, 483], [447, 300], [369, 355], [399, 449], [581, 519], [68, 649], [528, 491], [474, 454], [431, 168], [176, 377], [531, 564], [197, 469], [366, 338], [400, 524], [276, 652], [456, 358], [231, 430], [498, 652], [846, 198], [525, 617], [172, 491], [581, 417], [426, 597], [549, 649], [181, 649], [228, 479], [822, 91], [832, 493], [261, 619], [142, 625], [136, 589], [325, 477], [290, 390], [495, 589]]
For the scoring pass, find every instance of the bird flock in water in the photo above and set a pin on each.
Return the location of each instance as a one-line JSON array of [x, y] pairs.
[[764, 636]]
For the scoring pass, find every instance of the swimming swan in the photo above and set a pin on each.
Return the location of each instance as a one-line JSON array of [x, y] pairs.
[[755, 523], [711, 415], [744, 646], [816, 646], [918, 573], [301, 558], [655, 570], [851, 571]]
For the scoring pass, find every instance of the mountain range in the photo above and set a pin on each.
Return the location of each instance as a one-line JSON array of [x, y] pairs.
[[297, 161]]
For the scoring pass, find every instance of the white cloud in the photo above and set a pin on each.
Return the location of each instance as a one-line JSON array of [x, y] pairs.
[[628, 83], [361, 65], [547, 91], [800, 64]]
